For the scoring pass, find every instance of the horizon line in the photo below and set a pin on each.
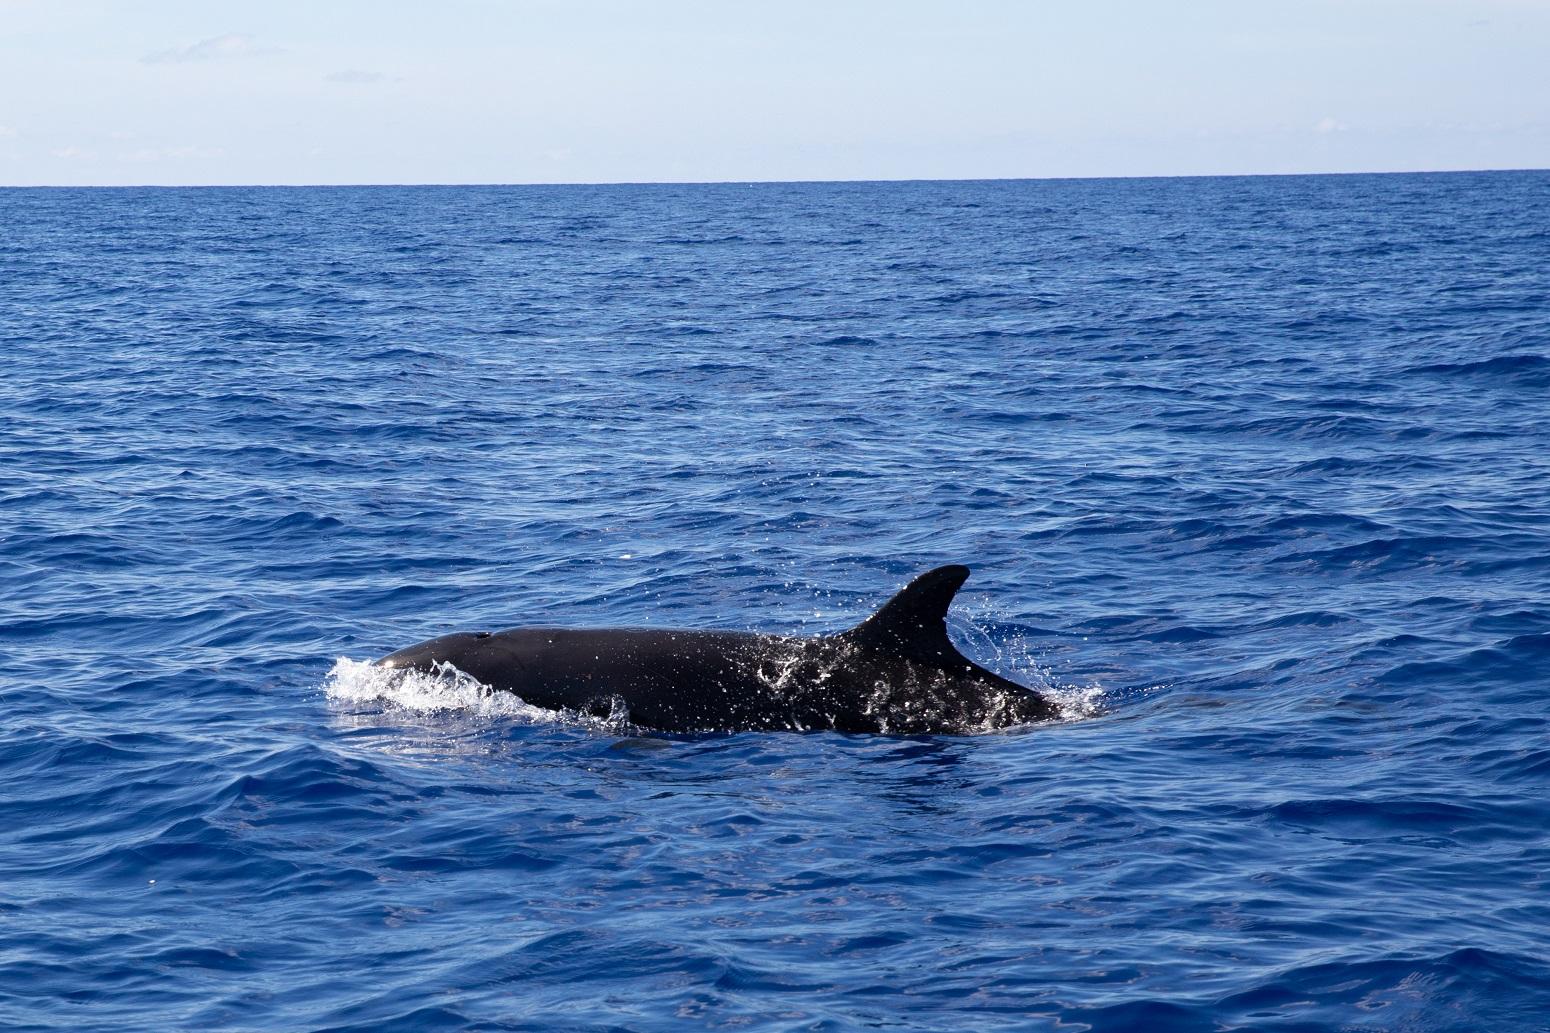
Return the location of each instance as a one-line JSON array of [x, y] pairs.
[[760, 182]]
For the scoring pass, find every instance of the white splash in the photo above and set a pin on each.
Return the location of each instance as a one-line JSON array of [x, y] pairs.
[[1076, 702], [1017, 660], [361, 682]]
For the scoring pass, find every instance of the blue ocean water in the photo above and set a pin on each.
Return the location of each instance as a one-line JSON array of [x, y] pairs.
[[1253, 473]]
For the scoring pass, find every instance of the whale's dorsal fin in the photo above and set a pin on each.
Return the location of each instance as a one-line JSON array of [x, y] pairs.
[[913, 624]]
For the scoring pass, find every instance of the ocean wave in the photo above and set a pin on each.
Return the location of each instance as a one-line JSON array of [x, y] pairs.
[[1525, 370]]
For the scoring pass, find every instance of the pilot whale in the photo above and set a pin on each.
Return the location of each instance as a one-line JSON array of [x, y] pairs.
[[896, 672]]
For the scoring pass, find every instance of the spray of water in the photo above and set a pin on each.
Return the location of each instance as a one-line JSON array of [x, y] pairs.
[[445, 690]]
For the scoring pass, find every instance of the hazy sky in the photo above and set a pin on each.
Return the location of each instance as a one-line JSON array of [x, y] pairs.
[[458, 91]]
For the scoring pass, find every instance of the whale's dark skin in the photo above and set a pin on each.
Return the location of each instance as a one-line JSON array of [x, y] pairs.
[[896, 673]]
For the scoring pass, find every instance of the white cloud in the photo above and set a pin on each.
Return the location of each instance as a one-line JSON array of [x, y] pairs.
[[1329, 125], [216, 48], [355, 75], [6, 131], [73, 153], [184, 153]]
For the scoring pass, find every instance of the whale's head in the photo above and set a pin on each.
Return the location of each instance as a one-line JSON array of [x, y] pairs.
[[456, 649]]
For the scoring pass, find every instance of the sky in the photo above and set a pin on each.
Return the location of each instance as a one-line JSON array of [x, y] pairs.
[[596, 91]]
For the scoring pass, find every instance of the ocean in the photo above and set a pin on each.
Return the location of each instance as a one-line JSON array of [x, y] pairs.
[[1253, 475]]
